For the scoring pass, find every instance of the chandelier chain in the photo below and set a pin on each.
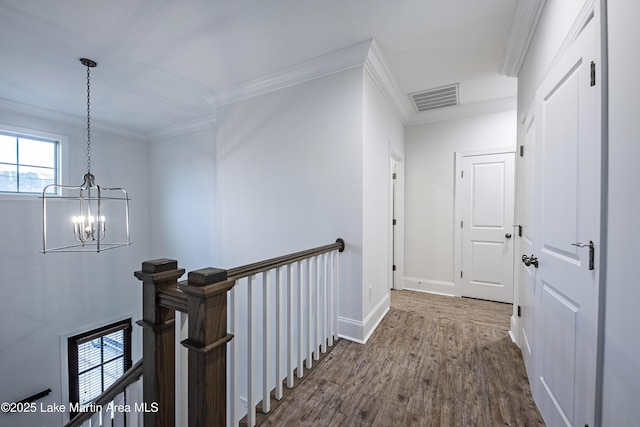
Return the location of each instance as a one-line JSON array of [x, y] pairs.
[[88, 121]]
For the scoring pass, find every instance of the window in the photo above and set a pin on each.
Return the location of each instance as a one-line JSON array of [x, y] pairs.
[[27, 163], [97, 359]]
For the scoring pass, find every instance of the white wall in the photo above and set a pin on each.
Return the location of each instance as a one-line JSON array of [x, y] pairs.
[[621, 388], [182, 198], [383, 135], [289, 177], [429, 192], [53, 295]]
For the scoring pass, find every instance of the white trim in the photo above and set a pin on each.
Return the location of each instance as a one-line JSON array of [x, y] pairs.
[[464, 110], [341, 60], [397, 251], [376, 67], [360, 332], [513, 329], [523, 124], [67, 119], [366, 54], [523, 27], [63, 155], [183, 128], [244, 407], [430, 286], [351, 329]]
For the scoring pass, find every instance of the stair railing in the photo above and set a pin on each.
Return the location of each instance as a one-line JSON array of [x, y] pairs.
[[299, 296], [119, 405]]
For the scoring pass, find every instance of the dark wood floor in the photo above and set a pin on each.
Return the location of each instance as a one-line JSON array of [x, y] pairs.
[[433, 361]]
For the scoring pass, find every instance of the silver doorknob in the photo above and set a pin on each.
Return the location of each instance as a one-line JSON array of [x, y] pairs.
[[591, 247], [508, 235]]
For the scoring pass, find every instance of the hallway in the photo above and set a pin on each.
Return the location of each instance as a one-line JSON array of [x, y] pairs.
[[433, 361]]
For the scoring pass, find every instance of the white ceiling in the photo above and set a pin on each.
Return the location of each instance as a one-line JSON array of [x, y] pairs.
[[159, 60]]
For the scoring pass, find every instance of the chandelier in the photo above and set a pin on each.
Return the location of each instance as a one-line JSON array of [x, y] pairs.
[[87, 217]]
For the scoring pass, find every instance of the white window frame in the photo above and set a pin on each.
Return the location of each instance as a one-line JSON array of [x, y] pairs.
[[63, 156]]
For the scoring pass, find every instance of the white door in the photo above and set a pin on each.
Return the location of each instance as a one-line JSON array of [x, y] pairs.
[[487, 226], [394, 222], [567, 213], [524, 243]]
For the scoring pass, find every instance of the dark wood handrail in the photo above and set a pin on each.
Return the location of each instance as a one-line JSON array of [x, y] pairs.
[[132, 375], [36, 396], [172, 297], [266, 265]]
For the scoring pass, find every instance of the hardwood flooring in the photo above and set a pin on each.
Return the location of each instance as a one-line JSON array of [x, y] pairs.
[[433, 361]]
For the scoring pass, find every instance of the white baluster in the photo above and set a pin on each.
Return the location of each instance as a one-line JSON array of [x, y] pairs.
[[279, 310], [290, 311], [309, 312], [251, 350], [334, 298], [336, 286], [232, 356], [325, 304], [300, 319], [133, 397], [118, 416], [266, 344], [319, 319]]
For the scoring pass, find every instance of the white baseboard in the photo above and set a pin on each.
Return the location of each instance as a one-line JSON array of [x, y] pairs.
[[357, 331], [431, 286], [513, 330]]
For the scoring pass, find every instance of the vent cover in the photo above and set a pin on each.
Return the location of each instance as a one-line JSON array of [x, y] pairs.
[[444, 96]]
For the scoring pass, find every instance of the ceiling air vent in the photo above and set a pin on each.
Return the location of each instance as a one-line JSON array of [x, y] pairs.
[[444, 96]]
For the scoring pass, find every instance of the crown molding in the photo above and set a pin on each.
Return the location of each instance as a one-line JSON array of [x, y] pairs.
[[464, 110], [523, 26], [341, 60], [376, 67], [183, 128], [366, 54], [67, 119]]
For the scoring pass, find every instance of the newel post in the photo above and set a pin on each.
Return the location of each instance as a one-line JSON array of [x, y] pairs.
[[207, 377], [158, 342]]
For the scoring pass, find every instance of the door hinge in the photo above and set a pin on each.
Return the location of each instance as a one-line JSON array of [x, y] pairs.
[[394, 175], [461, 174], [461, 224], [394, 222], [460, 273], [394, 267], [522, 151], [593, 73], [519, 231], [519, 311]]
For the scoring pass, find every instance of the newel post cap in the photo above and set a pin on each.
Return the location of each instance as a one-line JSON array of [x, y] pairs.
[[159, 265], [207, 276], [159, 271]]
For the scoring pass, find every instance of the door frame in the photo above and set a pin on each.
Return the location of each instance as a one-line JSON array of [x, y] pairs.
[[396, 233], [458, 206]]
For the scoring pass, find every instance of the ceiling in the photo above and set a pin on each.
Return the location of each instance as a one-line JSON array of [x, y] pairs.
[[160, 61]]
